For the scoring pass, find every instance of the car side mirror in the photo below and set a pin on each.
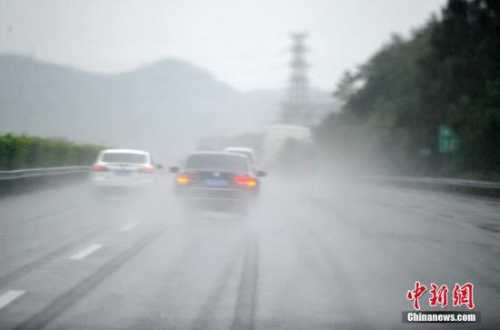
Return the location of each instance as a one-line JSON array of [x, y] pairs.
[[261, 174], [159, 166], [174, 169]]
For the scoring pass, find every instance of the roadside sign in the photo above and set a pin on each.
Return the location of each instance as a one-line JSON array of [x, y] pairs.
[[447, 139]]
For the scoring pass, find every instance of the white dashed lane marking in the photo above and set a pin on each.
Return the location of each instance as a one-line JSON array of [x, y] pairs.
[[86, 252], [9, 297]]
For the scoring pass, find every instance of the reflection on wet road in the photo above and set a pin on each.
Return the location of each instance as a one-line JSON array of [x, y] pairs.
[[306, 257]]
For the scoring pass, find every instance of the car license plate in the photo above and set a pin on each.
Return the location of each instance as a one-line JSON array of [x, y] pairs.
[[216, 182], [122, 173]]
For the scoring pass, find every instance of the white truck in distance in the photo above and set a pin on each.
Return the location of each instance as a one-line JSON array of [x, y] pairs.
[[276, 138]]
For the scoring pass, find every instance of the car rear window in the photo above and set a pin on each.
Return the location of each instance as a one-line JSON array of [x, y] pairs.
[[217, 163], [244, 153], [127, 158]]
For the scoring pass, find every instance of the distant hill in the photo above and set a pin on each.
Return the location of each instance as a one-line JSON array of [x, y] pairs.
[[164, 107]]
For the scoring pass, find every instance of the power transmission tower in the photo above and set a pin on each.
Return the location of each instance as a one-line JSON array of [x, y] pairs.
[[296, 108]]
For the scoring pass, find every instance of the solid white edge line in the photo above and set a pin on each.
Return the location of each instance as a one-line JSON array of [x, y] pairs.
[[9, 297], [86, 252]]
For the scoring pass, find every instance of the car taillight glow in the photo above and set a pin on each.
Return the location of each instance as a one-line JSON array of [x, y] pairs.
[[186, 178], [245, 180], [99, 168], [147, 169]]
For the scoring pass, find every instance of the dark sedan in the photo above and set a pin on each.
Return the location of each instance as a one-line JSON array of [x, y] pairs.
[[217, 181]]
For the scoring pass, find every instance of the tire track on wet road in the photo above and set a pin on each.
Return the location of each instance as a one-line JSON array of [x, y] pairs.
[[45, 259], [66, 300], [246, 303]]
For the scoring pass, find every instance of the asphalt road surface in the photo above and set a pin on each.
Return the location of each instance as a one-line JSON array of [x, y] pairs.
[[310, 255]]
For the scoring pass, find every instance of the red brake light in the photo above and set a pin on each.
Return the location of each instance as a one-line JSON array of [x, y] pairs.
[[245, 180], [185, 178], [147, 169], [99, 168]]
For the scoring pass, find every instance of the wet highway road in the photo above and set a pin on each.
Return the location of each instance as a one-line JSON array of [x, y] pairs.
[[309, 256]]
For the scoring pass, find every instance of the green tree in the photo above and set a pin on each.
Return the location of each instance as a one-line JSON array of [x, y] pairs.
[[447, 72]]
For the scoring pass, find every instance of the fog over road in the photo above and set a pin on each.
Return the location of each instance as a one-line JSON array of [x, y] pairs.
[[310, 255]]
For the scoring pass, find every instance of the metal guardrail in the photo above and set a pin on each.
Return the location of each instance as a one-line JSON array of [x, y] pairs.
[[472, 187], [446, 182], [42, 172]]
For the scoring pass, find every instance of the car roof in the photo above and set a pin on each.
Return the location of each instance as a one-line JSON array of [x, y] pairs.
[[220, 153], [242, 149], [128, 151]]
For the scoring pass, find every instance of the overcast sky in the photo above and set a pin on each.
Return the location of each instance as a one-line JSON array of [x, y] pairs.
[[244, 43]]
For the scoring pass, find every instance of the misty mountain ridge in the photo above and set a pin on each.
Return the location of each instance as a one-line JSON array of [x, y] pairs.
[[164, 107]]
